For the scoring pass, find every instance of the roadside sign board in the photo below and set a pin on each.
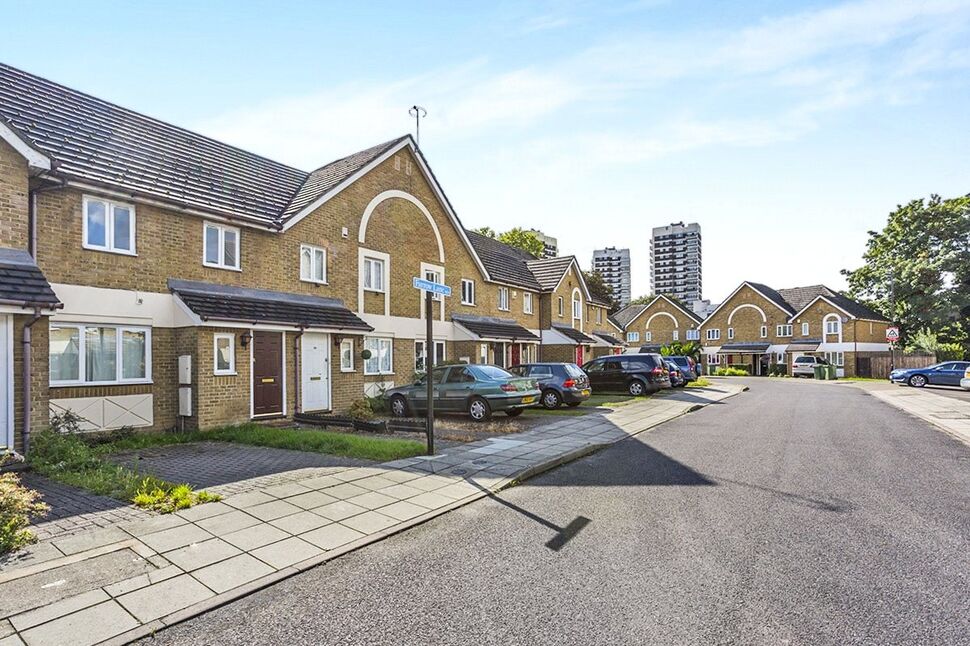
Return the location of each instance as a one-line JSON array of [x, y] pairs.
[[428, 286], [892, 334]]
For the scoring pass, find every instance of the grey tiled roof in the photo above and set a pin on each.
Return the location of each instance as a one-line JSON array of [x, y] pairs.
[[494, 328], [549, 271], [773, 296], [22, 283], [95, 141], [212, 302], [573, 334], [799, 297], [504, 263], [612, 340], [741, 346], [626, 315]]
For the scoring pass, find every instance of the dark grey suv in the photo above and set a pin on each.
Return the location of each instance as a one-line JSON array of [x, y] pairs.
[[636, 374], [560, 383]]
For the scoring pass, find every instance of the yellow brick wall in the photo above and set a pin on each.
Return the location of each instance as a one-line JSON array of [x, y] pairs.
[[14, 226], [747, 321]]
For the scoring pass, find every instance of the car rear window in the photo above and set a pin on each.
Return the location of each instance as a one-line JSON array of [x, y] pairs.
[[804, 359], [574, 371], [492, 372], [645, 362], [540, 371]]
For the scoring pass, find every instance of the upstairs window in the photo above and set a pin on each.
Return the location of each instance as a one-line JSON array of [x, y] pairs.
[[713, 334], [503, 298], [467, 292], [783, 330], [648, 336], [526, 303], [832, 326], [373, 274], [221, 246], [561, 307], [313, 264], [577, 309], [599, 315], [109, 226], [804, 329], [764, 331], [693, 335], [730, 332], [676, 334], [633, 337]]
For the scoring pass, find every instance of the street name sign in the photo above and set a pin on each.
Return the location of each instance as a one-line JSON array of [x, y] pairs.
[[428, 286]]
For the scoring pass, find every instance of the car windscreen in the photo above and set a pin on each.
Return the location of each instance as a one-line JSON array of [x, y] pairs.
[[491, 372]]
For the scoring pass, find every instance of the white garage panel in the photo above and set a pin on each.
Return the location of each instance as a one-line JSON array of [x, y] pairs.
[[105, 413]]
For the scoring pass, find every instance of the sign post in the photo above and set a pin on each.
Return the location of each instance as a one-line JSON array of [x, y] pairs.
[[892, 336], [430, 288]]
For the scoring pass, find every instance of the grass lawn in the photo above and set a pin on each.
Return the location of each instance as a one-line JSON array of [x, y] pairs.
[[381, 449], [700, 382]]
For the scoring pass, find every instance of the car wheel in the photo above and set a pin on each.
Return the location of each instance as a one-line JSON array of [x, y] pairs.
[[574, 404], [399, 406], [551, 399], [479, 409], [636, 388], [514, 412], [917, 381]]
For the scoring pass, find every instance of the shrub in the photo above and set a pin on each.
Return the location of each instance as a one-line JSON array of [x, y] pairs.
[[778, 370], [949, 352], [731, 371], [361, 410], [17, 505], [67, 422]]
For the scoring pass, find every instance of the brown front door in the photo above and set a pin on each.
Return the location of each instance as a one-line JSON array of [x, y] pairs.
[[267, 373]]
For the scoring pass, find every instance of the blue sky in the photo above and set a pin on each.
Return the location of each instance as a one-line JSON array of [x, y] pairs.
[[787, 129]]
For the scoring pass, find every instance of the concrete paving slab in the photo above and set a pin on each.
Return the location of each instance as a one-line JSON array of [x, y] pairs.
[[197, 555], [431, 500], [401, 491], [11, 640], [332, 536], [301, 522], [339, 510], [228, 523], [232, 573], [154, 524], [319, 482], [370, 522], [83, 628], [285, 490], [142, 581], [169, 539], [286, 552], [371, 500], [344, 491], [29, 556], [208, 510], [373, 483], [60, 608], [160, 599], [403, 510], [90, 540], [311, 499], [249, 499], [273, 510], [256, 536]]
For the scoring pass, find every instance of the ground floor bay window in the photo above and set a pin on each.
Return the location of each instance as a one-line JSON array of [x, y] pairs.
[[99, 354]]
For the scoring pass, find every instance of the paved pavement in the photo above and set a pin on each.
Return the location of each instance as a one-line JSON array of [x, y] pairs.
[[793, 514], [133, 579], [951, 392], [950, 414]]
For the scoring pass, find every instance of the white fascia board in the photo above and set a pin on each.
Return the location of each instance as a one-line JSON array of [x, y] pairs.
[[812, 302], [35, 159], [850, 346], [408, 328], [85, 304]]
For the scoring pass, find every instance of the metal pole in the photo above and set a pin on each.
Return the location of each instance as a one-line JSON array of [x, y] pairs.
[[429, 366]]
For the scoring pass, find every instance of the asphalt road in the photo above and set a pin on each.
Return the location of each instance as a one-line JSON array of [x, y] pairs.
[[791, 514]]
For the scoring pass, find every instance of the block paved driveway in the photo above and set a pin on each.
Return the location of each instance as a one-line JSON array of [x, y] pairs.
[[793, 514]]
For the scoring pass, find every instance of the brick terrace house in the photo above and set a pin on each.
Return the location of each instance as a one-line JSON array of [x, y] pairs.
[[757, 327], [159, 272], [660, 322]]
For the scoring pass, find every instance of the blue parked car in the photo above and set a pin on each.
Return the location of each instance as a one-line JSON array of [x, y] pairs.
[[948, 373]]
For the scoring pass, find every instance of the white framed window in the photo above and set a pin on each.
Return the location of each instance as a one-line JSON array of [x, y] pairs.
[[730, 333], [434, 276], [599, 315], [714, 359], [467, 292], [373, 278], [833, 326], [805, 329], [764, 331], [313, 264], [381, 361], [108, 226], [676, 335], [713, 334], [693, 335], [220, 246], [483, 353], [837, 359], [224, 354], [633, 337], [783, 330], [779, 357], [577, 309], [526, 303], [99, 354], [648, 336], [503, 299], [347, 355], [561, 306], [421, 354]]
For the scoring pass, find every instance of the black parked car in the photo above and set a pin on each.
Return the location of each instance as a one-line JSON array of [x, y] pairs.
[[677, 378], [559, 382], [636, 374]]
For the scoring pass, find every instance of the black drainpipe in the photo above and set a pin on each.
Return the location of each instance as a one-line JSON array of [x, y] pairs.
[[25, 433]]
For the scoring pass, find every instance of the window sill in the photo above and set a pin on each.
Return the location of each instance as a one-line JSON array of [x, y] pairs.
[[347, 370], [117, 252], [374, 291], [225, 374], [226, 268], [314, 282], [84, 384], [378, 374]]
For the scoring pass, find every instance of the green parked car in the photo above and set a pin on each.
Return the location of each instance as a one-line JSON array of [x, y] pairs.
[[478, 390]]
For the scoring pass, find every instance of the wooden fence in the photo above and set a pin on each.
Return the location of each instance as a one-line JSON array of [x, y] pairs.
[[878, 365]]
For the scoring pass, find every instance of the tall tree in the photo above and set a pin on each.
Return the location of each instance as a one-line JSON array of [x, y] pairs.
[[598, 287], [488, 232], [522, 239], [643, 300], [917, 269]]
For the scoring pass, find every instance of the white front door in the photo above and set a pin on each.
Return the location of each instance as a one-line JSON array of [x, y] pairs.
[[315, 362], [6, 382]]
